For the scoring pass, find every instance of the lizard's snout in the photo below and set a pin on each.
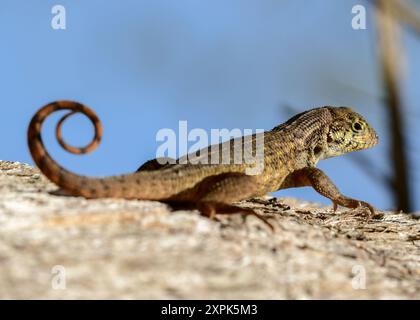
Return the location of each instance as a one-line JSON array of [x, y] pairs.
[[373, 139]]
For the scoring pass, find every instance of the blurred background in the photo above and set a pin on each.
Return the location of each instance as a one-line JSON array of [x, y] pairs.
[[146, 65]]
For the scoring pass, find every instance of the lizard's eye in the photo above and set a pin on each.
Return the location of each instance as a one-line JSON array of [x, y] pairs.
[[357, 126]]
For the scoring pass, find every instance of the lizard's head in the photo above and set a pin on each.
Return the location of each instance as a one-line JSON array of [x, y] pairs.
[[348, 132]]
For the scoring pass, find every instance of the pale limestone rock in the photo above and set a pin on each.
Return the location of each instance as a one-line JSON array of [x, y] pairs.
[[141, 249]]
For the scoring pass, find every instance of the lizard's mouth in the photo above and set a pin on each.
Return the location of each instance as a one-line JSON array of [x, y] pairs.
[[373, 138], [366, 141]]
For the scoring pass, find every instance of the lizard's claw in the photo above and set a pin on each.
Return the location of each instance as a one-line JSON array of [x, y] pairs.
[[353, 204], [257, 215], [210, 209], [369, 206], [374, 213]]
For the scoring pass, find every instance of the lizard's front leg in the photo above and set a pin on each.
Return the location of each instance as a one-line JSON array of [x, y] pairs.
[[317, 179]]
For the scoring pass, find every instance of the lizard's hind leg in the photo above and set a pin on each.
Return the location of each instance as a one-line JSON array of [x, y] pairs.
[[216, 193], [210, 209]]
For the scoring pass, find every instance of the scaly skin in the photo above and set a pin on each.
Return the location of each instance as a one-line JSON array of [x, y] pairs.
[[291, 152]]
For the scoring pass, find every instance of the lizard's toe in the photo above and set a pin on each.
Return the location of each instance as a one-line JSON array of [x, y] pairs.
[[355, 204], [210, 209], [247, 212], [369, 206]]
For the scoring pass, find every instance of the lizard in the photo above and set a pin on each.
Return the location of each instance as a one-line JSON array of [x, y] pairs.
[[291, 152]]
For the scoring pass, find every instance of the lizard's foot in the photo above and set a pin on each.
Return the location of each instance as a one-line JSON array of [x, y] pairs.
[[210, 209], [353, 204]]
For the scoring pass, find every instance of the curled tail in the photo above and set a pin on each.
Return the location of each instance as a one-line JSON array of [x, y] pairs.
[[148, 184], [75, 184]]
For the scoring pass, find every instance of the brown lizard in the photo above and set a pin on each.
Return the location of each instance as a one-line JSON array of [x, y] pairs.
[[291, 151]]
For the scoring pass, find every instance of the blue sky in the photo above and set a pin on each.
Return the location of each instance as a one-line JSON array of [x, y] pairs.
[[145, 65]]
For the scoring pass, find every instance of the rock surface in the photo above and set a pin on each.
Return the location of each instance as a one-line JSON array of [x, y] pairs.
[[55, 247]]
